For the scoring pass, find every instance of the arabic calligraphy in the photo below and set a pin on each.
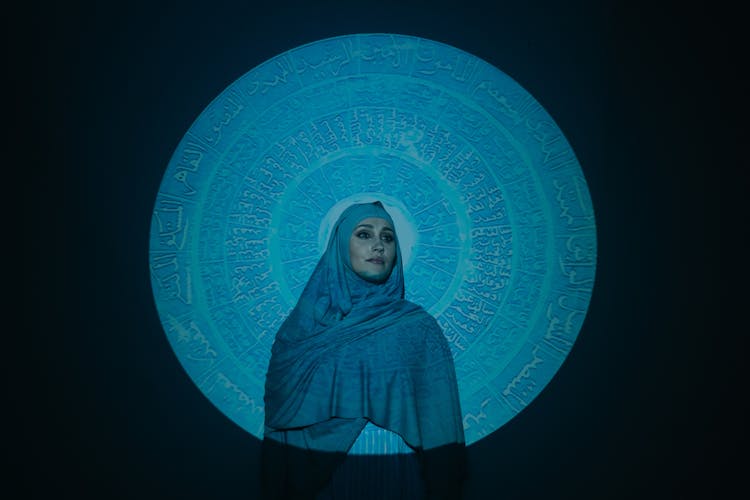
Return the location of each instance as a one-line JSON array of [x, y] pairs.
[[498, 226]]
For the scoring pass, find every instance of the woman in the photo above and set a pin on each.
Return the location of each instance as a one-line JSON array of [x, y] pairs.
[[354, 351]]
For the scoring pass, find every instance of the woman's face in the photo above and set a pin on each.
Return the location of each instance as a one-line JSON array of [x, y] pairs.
[[372, 249]]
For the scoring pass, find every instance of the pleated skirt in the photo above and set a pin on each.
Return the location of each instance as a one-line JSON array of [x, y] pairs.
[[379, 466]]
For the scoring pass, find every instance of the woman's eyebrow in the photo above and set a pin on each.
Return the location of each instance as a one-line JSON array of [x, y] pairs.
[[370, 226]]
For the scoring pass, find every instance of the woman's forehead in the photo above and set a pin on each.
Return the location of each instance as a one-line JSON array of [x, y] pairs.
[[375, 223]]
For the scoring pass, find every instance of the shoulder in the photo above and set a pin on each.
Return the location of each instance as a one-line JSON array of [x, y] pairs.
[[419, 317], [416, 312], [425, 330]]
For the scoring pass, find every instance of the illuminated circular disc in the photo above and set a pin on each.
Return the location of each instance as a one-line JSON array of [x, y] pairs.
[[488, 197]]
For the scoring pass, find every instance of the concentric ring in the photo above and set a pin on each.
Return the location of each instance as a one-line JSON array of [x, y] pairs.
[[495, 209]]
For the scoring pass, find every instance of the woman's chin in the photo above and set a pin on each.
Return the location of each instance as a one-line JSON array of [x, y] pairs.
[[377, 278]]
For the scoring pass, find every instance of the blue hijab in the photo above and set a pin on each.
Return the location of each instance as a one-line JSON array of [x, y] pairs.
[[334, 293], [352, 351]]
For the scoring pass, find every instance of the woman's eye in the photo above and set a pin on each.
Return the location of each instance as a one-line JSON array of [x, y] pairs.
[[388, 238], [363, 235]]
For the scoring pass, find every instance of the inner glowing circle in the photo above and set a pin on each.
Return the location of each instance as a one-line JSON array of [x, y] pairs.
[[407, 236]]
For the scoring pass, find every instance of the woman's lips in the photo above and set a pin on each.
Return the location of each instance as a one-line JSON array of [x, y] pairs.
[[376, 260]]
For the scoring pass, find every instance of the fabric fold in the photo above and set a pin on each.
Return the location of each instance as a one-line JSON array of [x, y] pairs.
[[353, 351]]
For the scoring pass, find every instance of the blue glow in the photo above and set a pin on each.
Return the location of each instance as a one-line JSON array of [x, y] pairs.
[[492, 205]]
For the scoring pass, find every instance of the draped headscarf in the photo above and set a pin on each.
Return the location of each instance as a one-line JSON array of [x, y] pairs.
[[352, 350], [334, 292]]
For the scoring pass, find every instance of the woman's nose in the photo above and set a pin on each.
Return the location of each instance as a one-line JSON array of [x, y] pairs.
[[378, 245]]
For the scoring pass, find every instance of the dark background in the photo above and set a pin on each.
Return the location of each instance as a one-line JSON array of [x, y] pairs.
[[650, 97]]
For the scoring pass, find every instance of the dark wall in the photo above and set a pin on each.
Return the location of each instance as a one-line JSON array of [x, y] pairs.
[[99, 95]]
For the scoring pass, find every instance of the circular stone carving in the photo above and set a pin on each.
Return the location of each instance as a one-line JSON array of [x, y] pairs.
[[488, 197]]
